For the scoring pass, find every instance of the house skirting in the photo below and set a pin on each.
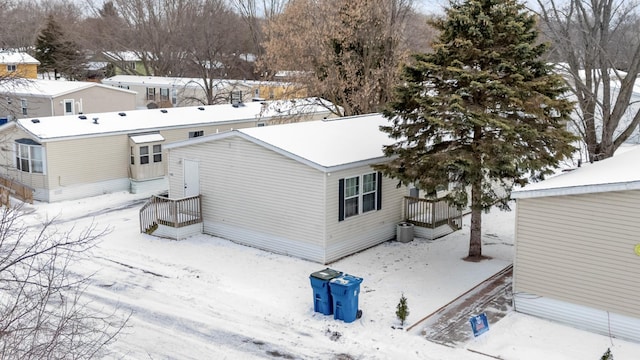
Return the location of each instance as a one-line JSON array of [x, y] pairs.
[[178, 233], [149, 186], [578, 316], [79, 191], [431, 234]]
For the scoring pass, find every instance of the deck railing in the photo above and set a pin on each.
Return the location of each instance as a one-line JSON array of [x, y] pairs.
[[170, 212], [431, 213]]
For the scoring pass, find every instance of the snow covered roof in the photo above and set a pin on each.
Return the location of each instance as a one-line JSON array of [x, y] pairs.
[[122, 55], [49, 88], [618, 173], [12, 57], [327, 145], [164, 81], [53, 128]]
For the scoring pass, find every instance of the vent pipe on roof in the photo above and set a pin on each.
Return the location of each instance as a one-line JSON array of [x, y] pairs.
[[95, 120]]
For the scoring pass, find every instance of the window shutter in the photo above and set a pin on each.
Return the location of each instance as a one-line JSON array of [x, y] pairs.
[[379, 192], [341, 200]]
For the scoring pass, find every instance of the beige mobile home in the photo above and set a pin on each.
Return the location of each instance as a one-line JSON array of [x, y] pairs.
[[577, 256], [306, 189], [160, 91], [39, 98], [68, 157]]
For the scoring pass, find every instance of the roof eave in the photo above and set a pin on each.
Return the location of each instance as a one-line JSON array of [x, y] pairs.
[[577, 190]]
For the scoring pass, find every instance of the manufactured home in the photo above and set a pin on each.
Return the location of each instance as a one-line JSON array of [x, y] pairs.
[[577, 254], [307, 189], [75, 156], [39, 98]]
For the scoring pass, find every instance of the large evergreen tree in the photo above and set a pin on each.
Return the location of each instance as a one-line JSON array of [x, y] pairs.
[[480, 111], [56, 53]]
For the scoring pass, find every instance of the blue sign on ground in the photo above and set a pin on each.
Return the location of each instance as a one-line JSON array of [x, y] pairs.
[[479, 324]]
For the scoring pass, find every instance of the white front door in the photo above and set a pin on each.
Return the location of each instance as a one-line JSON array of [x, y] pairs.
[[191, 178]]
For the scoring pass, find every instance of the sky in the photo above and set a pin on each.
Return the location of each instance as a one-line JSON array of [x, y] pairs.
[[208, 298]]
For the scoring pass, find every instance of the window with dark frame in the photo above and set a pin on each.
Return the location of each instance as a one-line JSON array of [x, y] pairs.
[[11, 68], [151, 94], [359, 195], [164, 94], [198, 133]]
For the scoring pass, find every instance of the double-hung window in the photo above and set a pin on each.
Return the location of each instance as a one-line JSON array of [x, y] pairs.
[[157, 153], [144, 155], [29, 156], [151, 94], [23, 106], [359, 195]]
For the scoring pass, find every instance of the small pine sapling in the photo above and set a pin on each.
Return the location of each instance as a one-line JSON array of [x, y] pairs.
[[607, 355], [402, 310]]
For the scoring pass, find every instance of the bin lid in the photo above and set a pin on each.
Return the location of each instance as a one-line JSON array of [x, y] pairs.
[[346, 280], [326, 274]]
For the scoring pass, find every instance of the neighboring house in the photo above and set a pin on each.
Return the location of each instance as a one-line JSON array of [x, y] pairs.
[[160, 91], [75, 156], [40, 98], [577, 253], [18, 64], [305, 189], [125, 62]]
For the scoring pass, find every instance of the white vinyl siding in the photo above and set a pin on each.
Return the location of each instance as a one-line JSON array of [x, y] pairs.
[[579, 249], [357, 233]]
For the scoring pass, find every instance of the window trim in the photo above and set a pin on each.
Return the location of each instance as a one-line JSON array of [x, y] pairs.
[[24, 106], [156, 153], [31, 147], [151, 93], [164, 94], [342, 195], [144, 157], [64, 106]]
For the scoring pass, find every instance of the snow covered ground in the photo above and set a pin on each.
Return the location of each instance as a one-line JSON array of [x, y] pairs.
[[209, 298]]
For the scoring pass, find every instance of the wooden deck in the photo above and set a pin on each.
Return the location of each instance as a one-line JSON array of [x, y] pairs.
[[176, 213], [431, 213]]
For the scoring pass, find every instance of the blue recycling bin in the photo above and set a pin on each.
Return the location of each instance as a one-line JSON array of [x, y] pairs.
[[322, 301], [344, 291]]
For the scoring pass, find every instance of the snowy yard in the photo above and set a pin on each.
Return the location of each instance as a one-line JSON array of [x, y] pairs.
[[208, 298]]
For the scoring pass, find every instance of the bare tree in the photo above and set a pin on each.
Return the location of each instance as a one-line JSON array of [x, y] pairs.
[[598, 44], [345, 51], [42, 311], [255, 13]]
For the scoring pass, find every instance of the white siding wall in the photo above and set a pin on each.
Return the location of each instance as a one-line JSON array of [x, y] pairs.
[[362, 231], [257, 197], [579, 249]]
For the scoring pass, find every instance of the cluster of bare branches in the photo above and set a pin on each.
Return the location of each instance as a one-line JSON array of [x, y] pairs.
[[597, 45], [43, 314]]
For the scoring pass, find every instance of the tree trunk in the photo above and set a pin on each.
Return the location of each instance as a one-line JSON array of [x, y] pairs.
[[475, 238]]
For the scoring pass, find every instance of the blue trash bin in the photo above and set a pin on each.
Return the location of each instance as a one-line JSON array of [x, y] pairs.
[[322, 301], [344, 291]]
